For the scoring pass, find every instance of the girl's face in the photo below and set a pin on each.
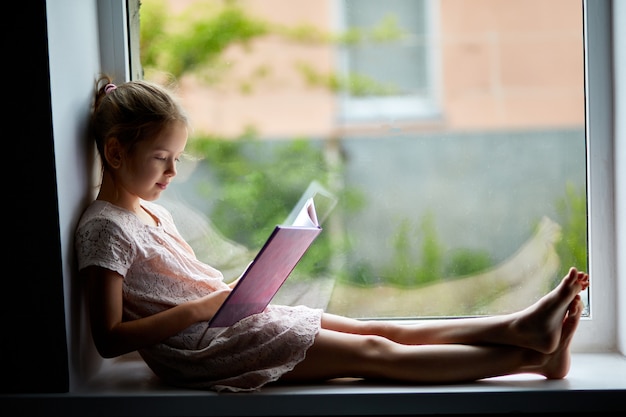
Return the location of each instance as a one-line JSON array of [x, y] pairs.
[[152, 165]]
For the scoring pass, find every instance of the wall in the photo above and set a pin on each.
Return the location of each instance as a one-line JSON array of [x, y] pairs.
[[74, 64]]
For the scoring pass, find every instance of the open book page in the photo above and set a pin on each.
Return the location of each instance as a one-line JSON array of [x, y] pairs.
[[307, 217], [325, 202]]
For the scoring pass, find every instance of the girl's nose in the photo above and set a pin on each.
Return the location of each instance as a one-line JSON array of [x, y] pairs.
[[171, 169]]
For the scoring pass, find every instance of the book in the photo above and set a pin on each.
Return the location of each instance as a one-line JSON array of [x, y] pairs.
[[270, 268]]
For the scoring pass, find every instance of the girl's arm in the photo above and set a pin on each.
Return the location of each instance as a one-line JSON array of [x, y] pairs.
[[113, 337]]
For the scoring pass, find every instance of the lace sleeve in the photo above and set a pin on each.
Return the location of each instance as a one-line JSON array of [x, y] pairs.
[[102, 242]]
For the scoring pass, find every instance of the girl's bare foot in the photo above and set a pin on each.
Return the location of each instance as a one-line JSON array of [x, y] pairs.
[[558, 363], [539, 326]]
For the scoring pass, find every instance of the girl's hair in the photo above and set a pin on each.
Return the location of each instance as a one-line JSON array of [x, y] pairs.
[[131, 112]]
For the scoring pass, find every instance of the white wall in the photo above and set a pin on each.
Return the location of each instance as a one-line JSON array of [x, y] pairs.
[[83, 41], [73, 44]]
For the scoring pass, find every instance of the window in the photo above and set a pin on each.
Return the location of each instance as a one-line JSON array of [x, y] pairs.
[[413, 198], [390, 55]]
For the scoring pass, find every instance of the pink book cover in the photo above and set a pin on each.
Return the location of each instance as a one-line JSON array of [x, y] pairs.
[[270, 268]]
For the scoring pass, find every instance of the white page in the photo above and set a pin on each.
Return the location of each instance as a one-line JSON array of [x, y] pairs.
[[307, 216]]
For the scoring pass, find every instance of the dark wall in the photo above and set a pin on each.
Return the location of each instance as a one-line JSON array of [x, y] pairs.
[[33, 349]]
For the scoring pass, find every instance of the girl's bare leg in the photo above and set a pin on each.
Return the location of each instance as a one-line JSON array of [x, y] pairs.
[[537, 327], [336, 354]]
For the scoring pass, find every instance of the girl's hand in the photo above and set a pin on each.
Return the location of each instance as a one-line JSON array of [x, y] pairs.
[[206, 307]]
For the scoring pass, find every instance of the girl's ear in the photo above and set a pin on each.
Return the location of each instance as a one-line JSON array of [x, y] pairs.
[[113, 152]]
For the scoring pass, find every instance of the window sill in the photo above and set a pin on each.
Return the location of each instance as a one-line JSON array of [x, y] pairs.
[[596, 382]]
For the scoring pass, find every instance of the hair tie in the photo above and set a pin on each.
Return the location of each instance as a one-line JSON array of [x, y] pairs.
[[109, 87]]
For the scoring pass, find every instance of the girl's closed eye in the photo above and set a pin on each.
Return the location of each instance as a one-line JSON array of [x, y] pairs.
[[164, 158]]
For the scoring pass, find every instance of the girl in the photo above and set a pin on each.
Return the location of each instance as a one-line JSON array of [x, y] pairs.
[[148, 292]]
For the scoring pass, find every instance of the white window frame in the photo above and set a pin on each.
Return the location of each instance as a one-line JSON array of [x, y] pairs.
[[114, 27], [619, 95], [597, 333]]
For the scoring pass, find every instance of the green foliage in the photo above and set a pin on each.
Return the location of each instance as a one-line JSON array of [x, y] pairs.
[[466, 261], [359, 273], [413, 266], [304, 33], [408, 267], [257, 183], [355, 84], [572, 216], [386, 30], [194, 42], [152, 31]]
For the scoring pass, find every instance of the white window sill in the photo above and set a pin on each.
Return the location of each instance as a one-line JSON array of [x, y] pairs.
[[596, 383]]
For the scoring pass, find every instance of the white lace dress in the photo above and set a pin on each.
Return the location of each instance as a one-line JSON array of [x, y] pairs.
[[160, 271]]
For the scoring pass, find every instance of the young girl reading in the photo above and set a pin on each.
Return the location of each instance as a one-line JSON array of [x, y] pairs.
[[148, 292]]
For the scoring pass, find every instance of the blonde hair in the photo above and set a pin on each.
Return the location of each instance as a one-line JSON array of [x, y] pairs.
[[131, 112]]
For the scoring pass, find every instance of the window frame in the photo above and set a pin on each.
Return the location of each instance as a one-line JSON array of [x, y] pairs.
[[598, 332]]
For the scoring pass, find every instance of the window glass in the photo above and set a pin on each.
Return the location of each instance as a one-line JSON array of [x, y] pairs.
[[401, 60], [388, 52], [451, 134]]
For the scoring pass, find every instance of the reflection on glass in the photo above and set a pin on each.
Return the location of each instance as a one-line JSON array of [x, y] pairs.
[[451, 135]]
